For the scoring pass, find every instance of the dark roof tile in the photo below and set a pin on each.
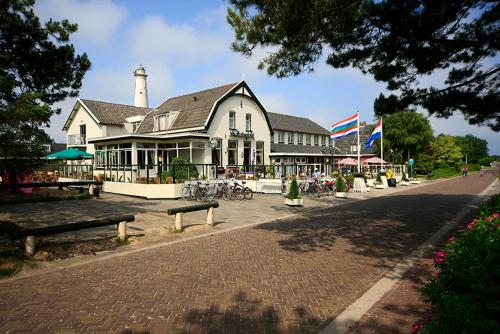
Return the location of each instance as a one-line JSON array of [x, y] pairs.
[[113, 113], [193, 108], [295, 124]]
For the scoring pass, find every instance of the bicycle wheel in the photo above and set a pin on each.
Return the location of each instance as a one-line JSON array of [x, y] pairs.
[[211, 192], [226, 193], [186, 193], [200, 195], [248, 193], [239, 194]]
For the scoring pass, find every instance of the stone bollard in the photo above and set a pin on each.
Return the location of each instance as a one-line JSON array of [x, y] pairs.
[[179, 221], [210, 216], [29, 245], [122, 231]]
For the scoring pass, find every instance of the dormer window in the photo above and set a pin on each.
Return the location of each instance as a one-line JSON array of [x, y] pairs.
[[161, 122]]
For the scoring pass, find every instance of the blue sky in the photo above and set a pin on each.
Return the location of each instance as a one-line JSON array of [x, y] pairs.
[[185, 46]]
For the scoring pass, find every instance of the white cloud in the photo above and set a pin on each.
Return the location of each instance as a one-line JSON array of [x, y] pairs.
[[98, 20], [154, 39]]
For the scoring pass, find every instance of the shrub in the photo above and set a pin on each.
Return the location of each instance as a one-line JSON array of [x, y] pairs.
[[472, 167], [293, 193], [443, 172], [486, 161], [183, 170], [350, 179], [340, 185], [379, 178], [464, 292]]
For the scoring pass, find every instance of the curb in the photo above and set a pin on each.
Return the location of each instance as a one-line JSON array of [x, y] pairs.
[[353, 313]]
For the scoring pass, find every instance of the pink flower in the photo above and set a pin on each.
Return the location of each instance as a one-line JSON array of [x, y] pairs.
[[416, 327], [472, 223], [439, 257], [495, 215], [451, 239]]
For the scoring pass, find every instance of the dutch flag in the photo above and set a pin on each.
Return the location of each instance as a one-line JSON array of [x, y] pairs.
[[376, 134]]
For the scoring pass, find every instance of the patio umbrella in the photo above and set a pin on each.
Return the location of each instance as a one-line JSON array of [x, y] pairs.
[[348, 162], [69, 154], [374, 160]]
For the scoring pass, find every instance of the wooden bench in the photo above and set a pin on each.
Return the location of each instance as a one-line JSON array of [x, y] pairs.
[[178, 212], [93, 190], [30, 233]]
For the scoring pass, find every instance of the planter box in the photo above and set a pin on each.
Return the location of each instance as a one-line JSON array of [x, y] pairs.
[[294, 202], [339, 194], [404, 183]]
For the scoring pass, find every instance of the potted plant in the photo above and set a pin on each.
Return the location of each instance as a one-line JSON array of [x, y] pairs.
[[293, 198], [341, 188], [380, 184], [404, 180]]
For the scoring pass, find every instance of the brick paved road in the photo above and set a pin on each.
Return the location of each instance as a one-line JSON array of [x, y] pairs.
[[281, 277]]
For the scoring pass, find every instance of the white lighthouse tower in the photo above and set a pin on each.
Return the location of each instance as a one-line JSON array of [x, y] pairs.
[[141, 90]]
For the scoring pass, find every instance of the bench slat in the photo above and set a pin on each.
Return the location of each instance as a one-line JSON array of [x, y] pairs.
[[55, 229], [192, 208]]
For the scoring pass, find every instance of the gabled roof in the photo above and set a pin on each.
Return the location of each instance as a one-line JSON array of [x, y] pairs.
[[113, 113], [106, 113], [193, 108], [295, 124]]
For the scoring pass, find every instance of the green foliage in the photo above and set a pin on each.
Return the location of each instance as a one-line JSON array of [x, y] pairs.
[[475, 148], [379, 178], [446, 152], [340, 185], [464, 293], [12, 261], [424, 164], [294, 190], [443, 173], [473, 167], [350, 179], [182, 168], [38, 67], [491, 206], [406, 133], [486, 161], [398, 42]]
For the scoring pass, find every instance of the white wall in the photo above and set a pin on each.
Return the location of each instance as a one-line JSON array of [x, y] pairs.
[[219, 128], [94, 129]]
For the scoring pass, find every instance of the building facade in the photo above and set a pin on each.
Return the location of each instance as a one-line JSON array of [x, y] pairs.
[[224, 126]]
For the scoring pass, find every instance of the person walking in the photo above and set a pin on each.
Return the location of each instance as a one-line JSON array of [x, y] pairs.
[[464, 171], [481, 172]]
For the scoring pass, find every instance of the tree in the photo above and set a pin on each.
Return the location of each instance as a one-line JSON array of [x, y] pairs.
[[446, 151], [406, 133], [475, 148], [399, 42], [38, 67]]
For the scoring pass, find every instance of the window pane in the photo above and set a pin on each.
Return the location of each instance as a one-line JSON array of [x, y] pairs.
[[249, 122]]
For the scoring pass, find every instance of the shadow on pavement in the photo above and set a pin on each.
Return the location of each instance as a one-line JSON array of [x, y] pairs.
[[371, 227]]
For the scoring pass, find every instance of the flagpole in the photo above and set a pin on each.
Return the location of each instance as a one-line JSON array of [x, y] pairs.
[[381, 144], [359, 148]]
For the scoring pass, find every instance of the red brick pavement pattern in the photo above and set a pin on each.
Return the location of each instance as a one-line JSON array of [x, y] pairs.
[[290, 276]]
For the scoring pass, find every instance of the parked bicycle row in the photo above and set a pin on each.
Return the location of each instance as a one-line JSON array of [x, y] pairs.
[[206, 191], [316, 187]]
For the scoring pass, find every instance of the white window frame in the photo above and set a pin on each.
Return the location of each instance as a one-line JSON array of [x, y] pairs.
[[232, 120]]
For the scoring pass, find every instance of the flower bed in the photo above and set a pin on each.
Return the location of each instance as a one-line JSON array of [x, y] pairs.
[[464, 293]]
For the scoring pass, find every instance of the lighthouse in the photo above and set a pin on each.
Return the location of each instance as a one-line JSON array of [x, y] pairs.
[[141, 90]]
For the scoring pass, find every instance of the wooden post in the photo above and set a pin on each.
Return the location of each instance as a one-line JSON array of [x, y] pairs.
[[178, 221], [122, 231], [210, 216], [29, 245]]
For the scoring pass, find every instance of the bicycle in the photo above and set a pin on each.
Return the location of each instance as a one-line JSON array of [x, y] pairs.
[[247, 192], [229, 192]]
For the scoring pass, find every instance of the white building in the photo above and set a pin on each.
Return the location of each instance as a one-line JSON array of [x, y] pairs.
[[224, 126]]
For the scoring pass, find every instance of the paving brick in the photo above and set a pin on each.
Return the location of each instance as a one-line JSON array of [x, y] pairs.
[[288, 276]]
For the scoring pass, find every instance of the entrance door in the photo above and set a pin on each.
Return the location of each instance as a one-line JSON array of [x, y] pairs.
[[247, 153]]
